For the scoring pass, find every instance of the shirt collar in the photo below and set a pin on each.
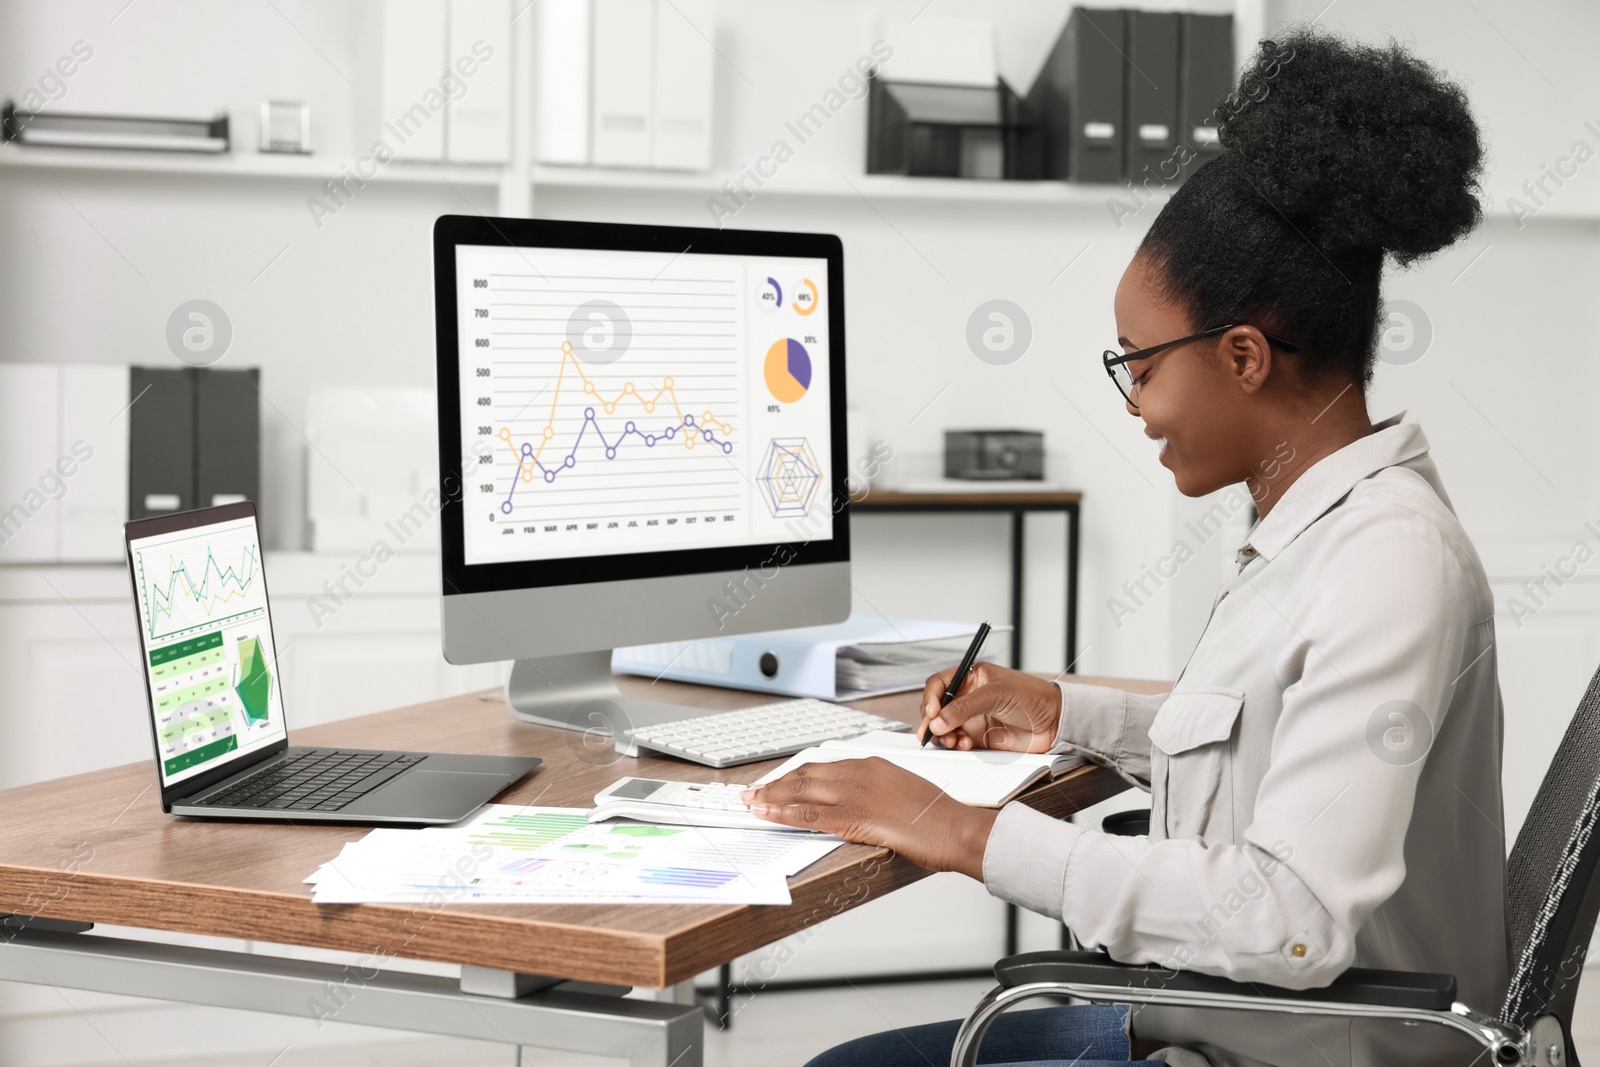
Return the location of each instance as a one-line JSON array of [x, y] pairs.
[[1392, 442]]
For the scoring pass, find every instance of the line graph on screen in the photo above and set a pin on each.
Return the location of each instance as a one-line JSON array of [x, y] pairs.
[[645, 442], [200, 583]]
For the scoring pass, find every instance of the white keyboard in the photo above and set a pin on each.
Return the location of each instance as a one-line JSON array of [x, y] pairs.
[[763, 732]]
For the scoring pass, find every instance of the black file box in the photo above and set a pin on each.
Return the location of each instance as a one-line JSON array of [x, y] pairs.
[[1079, 98], [925, 129], [1151, 83], [227, 452], [1205, 79], [194, 439]]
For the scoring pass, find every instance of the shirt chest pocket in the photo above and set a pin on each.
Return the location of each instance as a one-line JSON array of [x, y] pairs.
[[1192, 741]]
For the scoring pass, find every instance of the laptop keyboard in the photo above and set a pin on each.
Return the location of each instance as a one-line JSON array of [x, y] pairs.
[[313, 779]]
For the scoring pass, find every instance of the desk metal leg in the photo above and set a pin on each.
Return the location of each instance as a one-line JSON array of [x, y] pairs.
[[725, 997], [1068, 939], [1019, 558], [570, 1016], [1073, 524]]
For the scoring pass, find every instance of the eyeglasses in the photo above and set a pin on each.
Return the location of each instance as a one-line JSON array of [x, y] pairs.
[[1117, 362]]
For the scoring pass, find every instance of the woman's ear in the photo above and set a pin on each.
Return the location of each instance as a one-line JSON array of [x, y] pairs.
[[1248, 357]]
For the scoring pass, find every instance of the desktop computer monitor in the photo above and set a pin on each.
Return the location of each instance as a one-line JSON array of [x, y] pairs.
[[641, 440]]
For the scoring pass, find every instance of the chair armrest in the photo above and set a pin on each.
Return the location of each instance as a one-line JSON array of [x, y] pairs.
[[1135, 823], [1358, 985]]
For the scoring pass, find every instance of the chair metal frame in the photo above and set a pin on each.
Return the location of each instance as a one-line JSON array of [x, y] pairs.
[[1543, 1044], [1553, 895]]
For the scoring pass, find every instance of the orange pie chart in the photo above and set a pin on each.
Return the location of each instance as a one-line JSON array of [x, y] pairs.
[[787, 370]]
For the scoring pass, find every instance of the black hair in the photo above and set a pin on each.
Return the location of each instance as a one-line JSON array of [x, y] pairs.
[[1334, 154]]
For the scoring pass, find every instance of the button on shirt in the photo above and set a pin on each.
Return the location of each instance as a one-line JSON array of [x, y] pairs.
[[1324, 777]]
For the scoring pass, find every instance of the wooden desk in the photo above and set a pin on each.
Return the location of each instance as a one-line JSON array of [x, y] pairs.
[[96, 848]]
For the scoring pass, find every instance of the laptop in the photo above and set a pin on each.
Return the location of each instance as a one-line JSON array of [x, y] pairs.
[[216, 696]]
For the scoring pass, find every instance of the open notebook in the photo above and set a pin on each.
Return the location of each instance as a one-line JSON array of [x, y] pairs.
[[983, 778]]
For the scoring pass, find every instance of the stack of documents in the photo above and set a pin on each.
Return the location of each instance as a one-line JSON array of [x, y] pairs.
[[866, 655], [982, 777], [888, 666], [510, 854]]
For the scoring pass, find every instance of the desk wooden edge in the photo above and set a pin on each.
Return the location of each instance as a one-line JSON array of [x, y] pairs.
[[567, 940], [839, 882]]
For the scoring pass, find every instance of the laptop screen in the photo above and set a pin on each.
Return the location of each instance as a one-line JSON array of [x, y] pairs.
[[207, 641]]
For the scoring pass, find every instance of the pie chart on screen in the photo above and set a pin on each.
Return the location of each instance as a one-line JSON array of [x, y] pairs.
[[788, 371]]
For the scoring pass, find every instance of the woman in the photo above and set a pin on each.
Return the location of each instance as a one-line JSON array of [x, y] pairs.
[[1325, 774]]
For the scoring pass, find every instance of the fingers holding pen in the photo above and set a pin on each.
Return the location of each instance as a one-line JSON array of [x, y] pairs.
[[933, 691], [948, 723]]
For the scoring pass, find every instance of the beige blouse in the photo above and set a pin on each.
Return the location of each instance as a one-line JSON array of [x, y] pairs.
[[1324, 777]]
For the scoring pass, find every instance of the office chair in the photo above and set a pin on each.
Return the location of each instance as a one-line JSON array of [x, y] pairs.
[[1552, 899]]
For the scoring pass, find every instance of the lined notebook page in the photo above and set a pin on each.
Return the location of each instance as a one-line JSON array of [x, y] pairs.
[[986, 779], [884, 742]]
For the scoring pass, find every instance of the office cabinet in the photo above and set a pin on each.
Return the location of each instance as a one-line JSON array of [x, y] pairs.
[[63, 462]]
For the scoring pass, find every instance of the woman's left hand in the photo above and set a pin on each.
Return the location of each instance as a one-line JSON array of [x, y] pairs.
[[873, 802]]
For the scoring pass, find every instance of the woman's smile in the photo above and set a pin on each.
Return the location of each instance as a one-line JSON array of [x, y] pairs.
[[1161, 443]]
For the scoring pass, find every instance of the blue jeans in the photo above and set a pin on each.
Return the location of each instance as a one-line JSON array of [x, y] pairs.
[[1086, 1035]]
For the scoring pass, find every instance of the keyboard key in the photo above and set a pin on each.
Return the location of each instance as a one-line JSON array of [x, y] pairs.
[[373, 781]]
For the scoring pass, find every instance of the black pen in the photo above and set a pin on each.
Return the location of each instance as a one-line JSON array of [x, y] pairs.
[[961, 673]]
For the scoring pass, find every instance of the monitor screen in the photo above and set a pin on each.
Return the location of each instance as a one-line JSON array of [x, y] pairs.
[[207, 641], [641, 428], [618, 402]]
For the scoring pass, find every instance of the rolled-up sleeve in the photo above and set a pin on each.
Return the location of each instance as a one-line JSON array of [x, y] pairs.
[[1026, 858], [1108, 726], [1376, 636]]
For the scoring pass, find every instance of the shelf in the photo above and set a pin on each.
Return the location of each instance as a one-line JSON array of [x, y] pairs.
[[871, 186], [874, 187], [240, 165], [877, 187], [322, 168], [295, 575]]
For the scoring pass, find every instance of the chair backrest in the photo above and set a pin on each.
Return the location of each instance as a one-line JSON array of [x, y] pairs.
[[1552, 892]]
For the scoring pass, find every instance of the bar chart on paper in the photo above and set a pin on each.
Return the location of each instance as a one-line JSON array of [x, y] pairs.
[[537, 854]]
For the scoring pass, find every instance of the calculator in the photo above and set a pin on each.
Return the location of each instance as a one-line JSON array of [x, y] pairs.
[[678, 803]]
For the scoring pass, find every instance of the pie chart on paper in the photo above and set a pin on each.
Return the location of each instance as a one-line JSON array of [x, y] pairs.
[[788, 371]]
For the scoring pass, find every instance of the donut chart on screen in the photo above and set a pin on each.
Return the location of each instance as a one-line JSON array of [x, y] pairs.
[[788, 371], [805, 297]]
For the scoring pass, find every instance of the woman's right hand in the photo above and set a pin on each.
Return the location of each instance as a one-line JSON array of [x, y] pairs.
[[997, 708]]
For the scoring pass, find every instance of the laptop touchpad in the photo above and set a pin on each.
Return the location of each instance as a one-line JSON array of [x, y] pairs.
[[425, 794]]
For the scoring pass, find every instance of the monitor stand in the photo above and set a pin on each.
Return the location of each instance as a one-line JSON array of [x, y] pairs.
[[578, 692]]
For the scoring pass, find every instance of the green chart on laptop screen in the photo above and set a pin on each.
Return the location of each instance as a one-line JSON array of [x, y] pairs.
[[213, 674]]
